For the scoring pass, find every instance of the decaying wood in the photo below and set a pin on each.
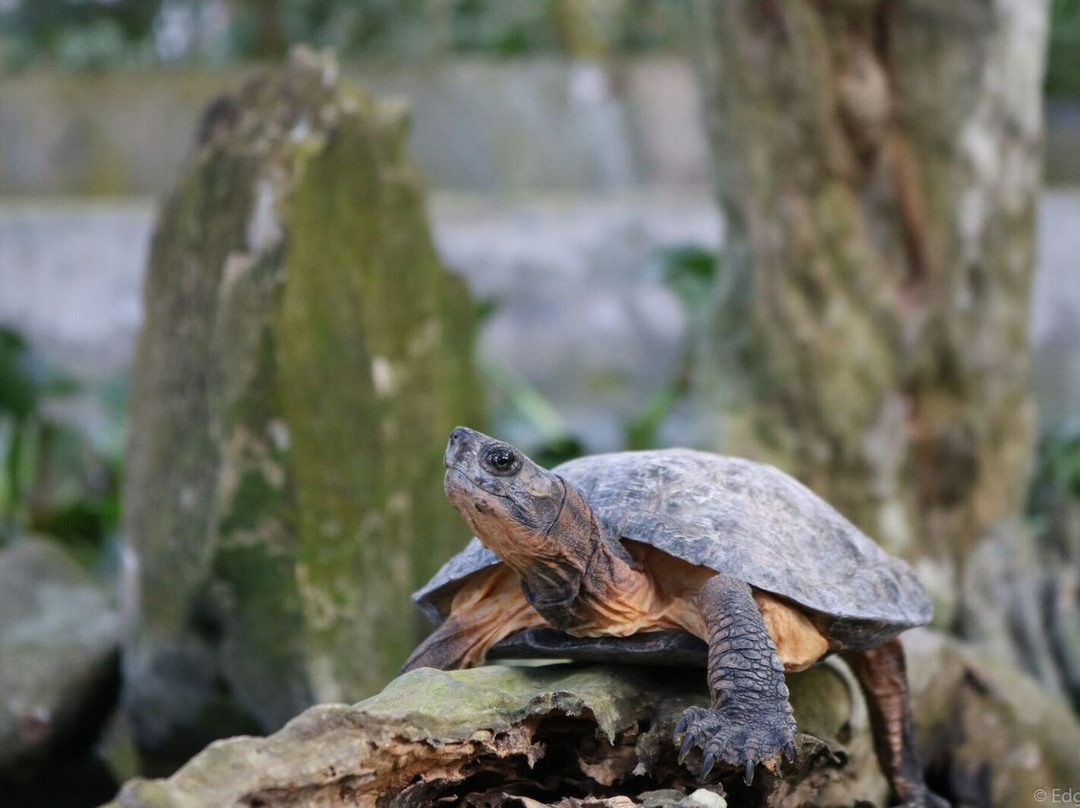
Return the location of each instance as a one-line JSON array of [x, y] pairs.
[[570, 735], [495, 736]]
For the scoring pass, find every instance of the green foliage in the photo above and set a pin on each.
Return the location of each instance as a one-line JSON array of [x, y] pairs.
[[408, 28], [52, 480], [1063, 58], [507, 28], [1057, 472], [79, 35], [18, 383], [87, 34], [691, 272], [102, 33]]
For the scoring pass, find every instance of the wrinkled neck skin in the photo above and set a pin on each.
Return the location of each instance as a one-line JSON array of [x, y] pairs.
[[577, 568]]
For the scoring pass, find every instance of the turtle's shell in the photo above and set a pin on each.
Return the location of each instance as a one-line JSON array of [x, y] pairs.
[[746, 519]]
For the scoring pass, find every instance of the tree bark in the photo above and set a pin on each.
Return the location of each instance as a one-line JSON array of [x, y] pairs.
[[304, 357], [877, 163]]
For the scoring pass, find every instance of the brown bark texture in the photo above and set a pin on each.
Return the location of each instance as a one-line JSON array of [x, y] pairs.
[[877, 164]]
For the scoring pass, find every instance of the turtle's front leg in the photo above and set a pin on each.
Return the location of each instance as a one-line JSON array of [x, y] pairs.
[[750, 718]]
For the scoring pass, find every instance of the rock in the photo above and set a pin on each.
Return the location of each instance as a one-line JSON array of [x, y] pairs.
[[1022, 593], [303, 358], [59, 650], [550, 735], [990, 734]]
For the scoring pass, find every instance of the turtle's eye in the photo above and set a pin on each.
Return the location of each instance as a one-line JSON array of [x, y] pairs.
[[502, 460]]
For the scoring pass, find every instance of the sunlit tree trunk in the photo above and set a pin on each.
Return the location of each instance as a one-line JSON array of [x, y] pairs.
[[877, 163]]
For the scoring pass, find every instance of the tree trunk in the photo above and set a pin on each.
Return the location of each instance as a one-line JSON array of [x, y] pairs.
[[304, 357], [877, 163]]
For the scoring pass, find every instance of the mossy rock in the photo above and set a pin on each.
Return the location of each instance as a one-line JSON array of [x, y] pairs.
[[304, 356], [59, 659]]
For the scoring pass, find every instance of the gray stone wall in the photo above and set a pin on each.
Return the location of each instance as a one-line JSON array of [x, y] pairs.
[[477, 126], [542, 125]]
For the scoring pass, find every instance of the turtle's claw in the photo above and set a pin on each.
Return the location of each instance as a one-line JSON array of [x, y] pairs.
[[739, 739], [680, 725], [687, 745], [789, 751], [707, 765]]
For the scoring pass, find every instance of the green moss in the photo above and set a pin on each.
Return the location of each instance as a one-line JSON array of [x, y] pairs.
[[253, 500], [374, 357], [821, 701], [262, 633], [451, 705]]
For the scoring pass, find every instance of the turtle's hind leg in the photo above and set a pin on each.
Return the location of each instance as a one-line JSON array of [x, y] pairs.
[[452, 645], [750, 718], [882, 675], [489, 608]]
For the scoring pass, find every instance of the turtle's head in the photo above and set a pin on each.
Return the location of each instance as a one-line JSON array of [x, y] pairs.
[[541, 526], [510, 502]]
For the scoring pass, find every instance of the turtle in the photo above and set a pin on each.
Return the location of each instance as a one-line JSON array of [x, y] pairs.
[[677, 556]]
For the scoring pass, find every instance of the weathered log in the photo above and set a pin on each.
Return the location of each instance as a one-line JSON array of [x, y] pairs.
[[503, 736], [559, 734]]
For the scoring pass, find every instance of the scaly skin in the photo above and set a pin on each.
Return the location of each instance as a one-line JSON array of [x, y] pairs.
[[750, 718], [882, 675]]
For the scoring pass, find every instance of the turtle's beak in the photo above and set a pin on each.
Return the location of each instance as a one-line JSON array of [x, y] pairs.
[[463, 442]]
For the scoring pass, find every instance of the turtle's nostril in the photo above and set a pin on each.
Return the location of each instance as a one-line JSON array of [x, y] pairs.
[[458, 437]]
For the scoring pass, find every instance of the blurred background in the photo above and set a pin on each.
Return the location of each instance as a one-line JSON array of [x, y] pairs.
[[590, 171]]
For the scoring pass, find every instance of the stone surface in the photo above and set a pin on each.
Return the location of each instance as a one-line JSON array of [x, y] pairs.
[[1055, 312], [304, 355], [489, 126], [581, 313], [586, 126], [59, 658], [991, 735]]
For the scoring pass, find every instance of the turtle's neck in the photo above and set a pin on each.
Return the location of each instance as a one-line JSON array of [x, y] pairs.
[[580, 567]]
